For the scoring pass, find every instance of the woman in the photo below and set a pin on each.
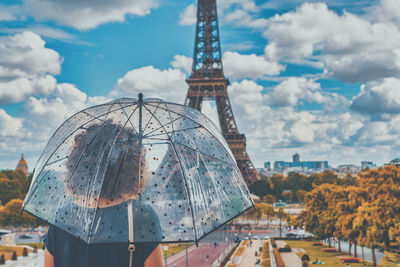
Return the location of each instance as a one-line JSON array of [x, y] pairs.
[[118, 196]]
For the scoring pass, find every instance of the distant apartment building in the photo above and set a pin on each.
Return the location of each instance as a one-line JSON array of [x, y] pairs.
[[267, 165], [296, 163], [347, 168], [367, 164]]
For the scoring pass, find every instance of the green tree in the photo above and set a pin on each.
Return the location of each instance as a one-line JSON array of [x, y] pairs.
[[277, 185], [9, 189], [13, 184], [326, 177], [261, 187]]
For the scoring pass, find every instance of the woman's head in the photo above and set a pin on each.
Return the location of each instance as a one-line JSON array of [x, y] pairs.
[[106, 157]]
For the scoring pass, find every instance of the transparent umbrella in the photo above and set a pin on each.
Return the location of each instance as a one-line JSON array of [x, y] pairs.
[[137, 170]]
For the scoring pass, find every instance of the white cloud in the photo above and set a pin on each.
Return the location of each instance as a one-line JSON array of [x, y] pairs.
[[188, 15], [9, 125], [349, 47], [249, 5], [25, 54], [378, 97], [26, 67], [291, 91], [47, 32], [167, 84], [87, 14], [340, 136], [183, 63], [10, 12], [240, 66], [242, 13], [386, 11], [243, 18], [17, 90]]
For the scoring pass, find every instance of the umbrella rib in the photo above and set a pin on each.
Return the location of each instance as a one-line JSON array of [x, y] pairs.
[[184, 178], [148, 134], [202, 152], [55, 161], [233, 161], [147, 124], [127, 114], [175, 131], [102, 181], [201, 126], [94, 118], [54, 151], [170, 117]]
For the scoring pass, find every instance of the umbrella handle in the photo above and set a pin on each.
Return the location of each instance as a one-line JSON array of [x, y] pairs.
[[131, 246], [131, 249]]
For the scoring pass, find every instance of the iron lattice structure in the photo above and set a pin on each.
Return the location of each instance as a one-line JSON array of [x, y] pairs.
[[207, 82]]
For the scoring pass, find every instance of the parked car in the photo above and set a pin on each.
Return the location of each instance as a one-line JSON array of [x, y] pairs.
[[291, 235]]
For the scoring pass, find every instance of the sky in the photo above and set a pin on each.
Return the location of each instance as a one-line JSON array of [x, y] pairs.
[[318, 78]]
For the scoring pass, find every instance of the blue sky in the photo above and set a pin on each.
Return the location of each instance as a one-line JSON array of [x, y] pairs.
[[316, 78]]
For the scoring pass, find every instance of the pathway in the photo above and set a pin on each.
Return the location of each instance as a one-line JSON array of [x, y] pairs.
[[197, 256], [32, 260], [289, 258]]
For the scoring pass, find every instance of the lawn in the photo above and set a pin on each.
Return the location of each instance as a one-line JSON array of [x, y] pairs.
[[175, 248], [329, 258]]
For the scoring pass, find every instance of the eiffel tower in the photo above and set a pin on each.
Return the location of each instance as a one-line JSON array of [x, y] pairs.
[[207, 82]]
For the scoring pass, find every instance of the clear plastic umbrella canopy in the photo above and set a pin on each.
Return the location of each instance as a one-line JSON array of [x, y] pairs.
[[169, 161]]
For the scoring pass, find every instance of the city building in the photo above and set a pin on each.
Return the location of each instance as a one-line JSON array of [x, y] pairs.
[[301, 166], [347, 168], [296, 158], [22, 165], [367, 164], [267, 165]]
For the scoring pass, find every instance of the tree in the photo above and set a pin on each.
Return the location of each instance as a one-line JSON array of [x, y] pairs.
[[10, 215], [261, 187], [277, 185], [9, 189], [326, 177], [270, 199], [287, 195], [347, 207], [13, 184], [321, 214], [300, 194]]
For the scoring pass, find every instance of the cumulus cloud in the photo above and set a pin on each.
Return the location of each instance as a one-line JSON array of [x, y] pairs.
[[386, 11], [242, 13], [183, 63], [9, 125], [244, 18], [167, 84], [277, 132], [239, 66], [87, 14], [378, 97], [17, 90], [188, 15], [24, 54], [293, 90], [26, 67], [349, 47]]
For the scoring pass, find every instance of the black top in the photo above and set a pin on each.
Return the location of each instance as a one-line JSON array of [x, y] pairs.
[[68, 250]]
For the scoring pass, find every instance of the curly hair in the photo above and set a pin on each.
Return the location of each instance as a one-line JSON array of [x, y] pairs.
[[106, 156]]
